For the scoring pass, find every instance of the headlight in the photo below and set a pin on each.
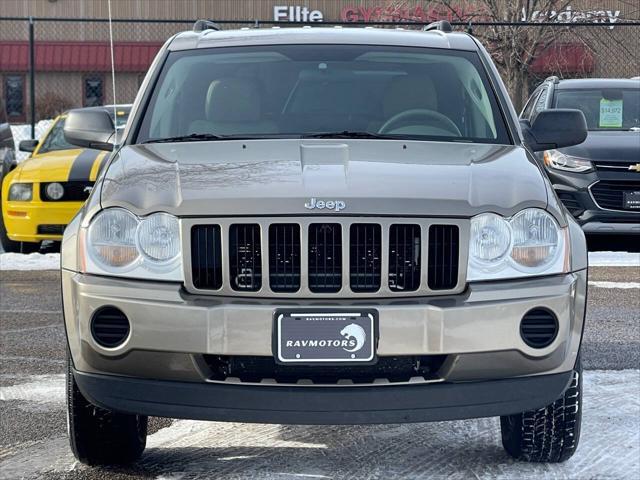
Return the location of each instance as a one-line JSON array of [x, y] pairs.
[[530, 243], [159, 238], [21, 192], [54, 191], [567, 163], [119, 243], [112, 239]]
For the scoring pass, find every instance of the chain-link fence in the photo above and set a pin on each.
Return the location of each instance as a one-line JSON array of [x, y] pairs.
[[48, 66]]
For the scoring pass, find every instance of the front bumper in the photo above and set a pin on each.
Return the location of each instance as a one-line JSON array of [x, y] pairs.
[[478, 330], [22, 219], [319, 406]]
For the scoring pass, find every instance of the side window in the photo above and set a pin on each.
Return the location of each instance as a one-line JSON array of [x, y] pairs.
[[14, 96], [528, 108], [93, 90]]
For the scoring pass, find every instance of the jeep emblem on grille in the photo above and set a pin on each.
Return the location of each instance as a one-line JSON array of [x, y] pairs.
[[336, 205]]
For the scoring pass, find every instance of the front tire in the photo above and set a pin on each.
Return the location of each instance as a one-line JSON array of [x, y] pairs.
[[549, 434], [98, 436]]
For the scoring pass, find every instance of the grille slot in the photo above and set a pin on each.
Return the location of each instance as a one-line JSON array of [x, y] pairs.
[[572, 204], [325, 257], [538, 328], [109, 327], [611, 194], [284, 257], [255, 369], [404, 258], [444, 244], [206, 257], [51, 229], [245, 260], [365, 252]]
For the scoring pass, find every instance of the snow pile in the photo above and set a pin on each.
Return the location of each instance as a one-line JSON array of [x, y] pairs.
[[23, 132], [33, 261], [614, 259]]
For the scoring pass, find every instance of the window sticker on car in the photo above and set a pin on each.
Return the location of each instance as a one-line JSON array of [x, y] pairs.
[[610, 113]]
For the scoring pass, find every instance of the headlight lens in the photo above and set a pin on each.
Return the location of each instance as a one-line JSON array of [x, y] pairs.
[[159, 237], [55, 191], [490, 238], [530, 243], [567, 163], [121, 244], [535, 238], [21, 192], [112, 238]]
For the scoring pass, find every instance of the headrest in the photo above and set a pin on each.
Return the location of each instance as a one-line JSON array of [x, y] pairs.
[[409, 92], [233, 100]]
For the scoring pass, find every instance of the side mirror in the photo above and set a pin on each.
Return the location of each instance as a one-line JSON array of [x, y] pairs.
[[89, 129], [555, 129], [28, 145]]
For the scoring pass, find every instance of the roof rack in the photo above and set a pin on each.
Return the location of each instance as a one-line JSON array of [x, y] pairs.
[[441, 25], [552, 78], [202, 25]]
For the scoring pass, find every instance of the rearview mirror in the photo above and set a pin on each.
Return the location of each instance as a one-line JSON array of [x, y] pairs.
[[89, 129], [27, 145], [557, 128]]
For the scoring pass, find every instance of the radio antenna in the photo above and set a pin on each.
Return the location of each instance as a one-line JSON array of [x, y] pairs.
[[113, 73]]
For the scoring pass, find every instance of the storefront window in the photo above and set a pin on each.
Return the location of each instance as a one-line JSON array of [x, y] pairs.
[[14, 95], [93, 91]]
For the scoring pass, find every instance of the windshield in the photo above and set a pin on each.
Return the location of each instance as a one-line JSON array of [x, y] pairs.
[[55, 140], [604, 109], [296, 91]]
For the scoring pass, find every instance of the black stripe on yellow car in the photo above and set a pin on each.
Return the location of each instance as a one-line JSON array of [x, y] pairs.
[[82, 166], [97, 166]]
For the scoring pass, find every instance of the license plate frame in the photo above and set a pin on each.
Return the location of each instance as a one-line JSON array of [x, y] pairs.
[[631, 200], [291, 324]]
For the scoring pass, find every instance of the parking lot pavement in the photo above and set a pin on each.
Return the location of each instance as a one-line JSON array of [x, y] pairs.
[[32, 421]]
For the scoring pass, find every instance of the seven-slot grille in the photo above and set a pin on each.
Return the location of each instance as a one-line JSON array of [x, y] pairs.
[[339, 257]]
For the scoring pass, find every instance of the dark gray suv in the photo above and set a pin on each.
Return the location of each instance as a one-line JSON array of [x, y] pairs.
[[598, 180]]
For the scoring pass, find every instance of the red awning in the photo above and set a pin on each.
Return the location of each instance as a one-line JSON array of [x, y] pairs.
[[564, 58], [78, 56]]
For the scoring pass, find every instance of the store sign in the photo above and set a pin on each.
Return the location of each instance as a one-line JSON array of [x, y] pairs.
[[469, 12], [296, 13]]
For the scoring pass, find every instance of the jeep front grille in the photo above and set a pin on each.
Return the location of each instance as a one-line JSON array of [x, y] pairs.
[[329, 257]]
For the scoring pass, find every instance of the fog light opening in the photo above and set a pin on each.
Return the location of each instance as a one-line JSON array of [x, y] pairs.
[[539, 328], [109, 327]]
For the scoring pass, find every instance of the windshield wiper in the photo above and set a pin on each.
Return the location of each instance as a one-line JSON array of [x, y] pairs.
[[198, 137], [348, 134]]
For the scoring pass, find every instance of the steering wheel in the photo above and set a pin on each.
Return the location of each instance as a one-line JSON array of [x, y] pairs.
[[420, 116]]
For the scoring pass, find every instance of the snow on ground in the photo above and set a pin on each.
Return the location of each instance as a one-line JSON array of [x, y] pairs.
[[609, 444], [621, 285], [32, 261], [614, 259]]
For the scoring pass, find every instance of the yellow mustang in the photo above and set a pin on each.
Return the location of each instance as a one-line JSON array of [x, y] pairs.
[[43, 193]]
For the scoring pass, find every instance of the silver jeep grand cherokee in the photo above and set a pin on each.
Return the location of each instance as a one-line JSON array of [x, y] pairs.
[[324, 226]]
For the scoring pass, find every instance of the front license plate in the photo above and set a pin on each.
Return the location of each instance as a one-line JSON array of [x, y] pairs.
[[325, 336], [632, 200]]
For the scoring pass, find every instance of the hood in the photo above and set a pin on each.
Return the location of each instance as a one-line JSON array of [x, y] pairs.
[[61, 166], [278, 177], [618, 146]]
